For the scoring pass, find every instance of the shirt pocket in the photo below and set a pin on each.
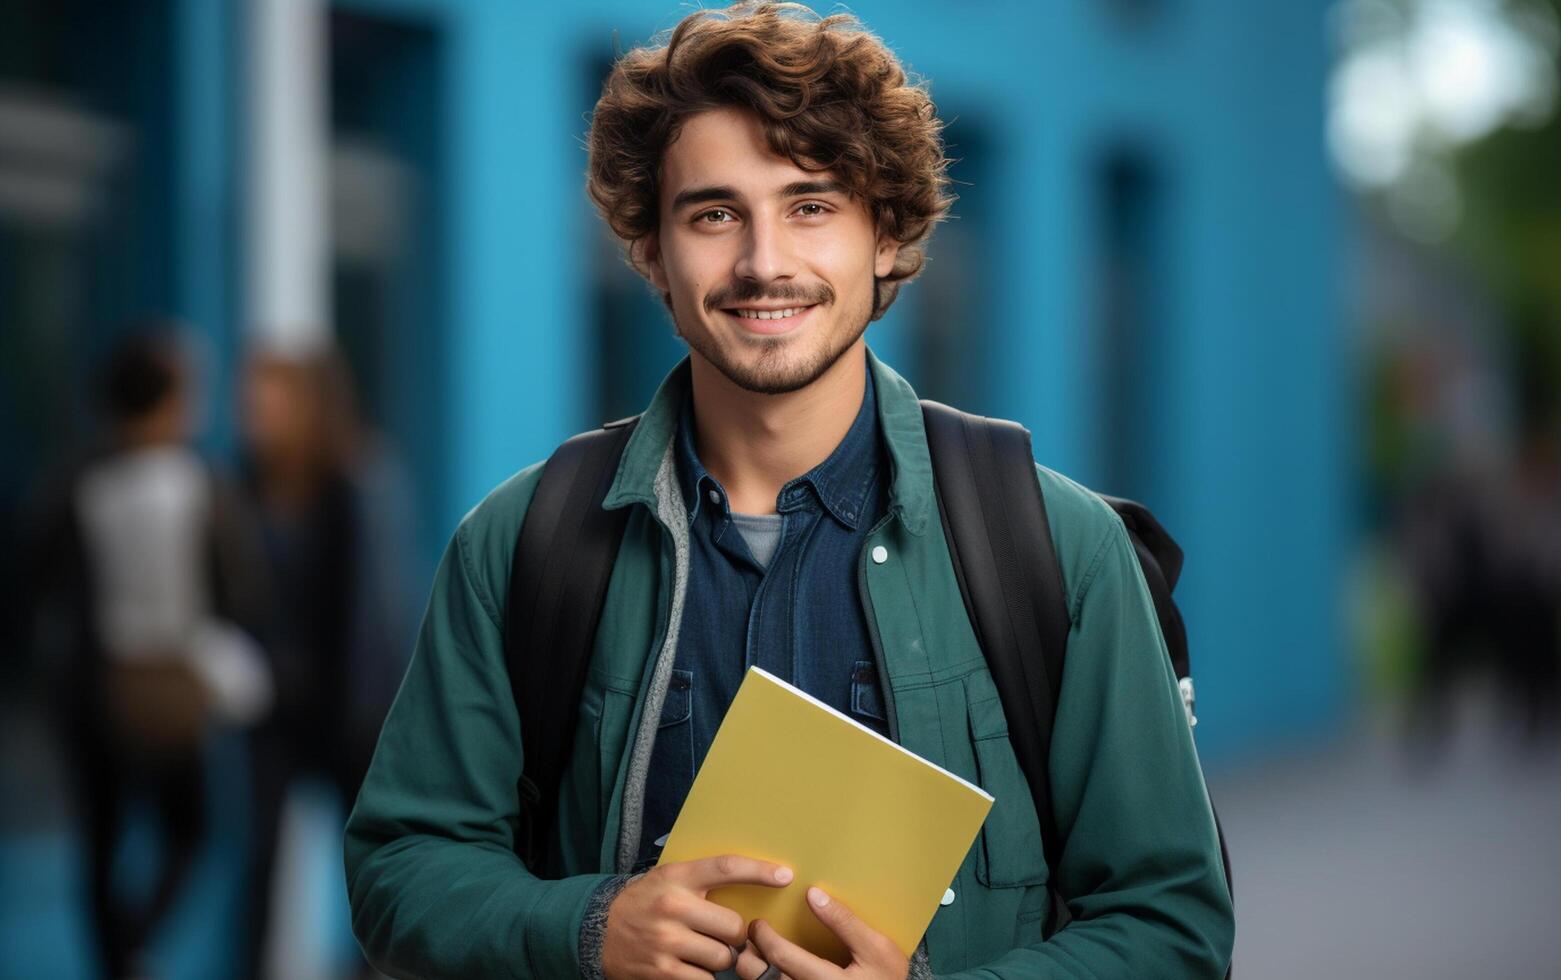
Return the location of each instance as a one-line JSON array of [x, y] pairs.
[[1010, 855], [867, 694], [675, 735]]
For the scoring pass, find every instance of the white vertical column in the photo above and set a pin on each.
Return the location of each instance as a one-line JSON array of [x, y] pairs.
[[287, 299]]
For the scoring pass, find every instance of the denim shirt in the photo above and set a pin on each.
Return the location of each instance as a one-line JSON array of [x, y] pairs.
[[800, 617]]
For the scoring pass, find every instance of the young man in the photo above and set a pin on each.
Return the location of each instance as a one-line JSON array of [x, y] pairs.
[[775, 178]]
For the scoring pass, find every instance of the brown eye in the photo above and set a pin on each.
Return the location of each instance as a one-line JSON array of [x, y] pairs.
[[715, 217], [811, 210]]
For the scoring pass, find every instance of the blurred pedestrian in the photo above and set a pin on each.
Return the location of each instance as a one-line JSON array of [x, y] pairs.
[[1526, 628], [152, 561], [332, 520], [1447, 546], [1483, 549]]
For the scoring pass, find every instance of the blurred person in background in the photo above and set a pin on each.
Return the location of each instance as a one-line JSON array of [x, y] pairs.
[[332, 506], [1481, 541], [1450, 560], [146, 576], [1527, 543]]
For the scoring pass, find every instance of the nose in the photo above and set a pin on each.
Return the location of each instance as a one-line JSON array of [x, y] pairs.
[[767, 255]]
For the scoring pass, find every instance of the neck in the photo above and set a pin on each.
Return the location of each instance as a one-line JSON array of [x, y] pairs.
[[754, 444]]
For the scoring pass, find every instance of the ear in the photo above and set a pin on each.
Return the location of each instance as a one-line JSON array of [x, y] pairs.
[[647, 253], [886, 254]]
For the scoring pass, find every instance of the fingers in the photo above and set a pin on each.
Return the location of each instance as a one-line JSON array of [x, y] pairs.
[[688, 909], [714, 921], [840, 920], [733, 869], [787, 956], [750, 965], [659, 926], [867, 945], [702, 951]]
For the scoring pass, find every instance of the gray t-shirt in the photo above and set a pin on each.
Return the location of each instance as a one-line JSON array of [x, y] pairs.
[[762, 534]]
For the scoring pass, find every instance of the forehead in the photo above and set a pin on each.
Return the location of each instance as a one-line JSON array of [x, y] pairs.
[[726, 147]]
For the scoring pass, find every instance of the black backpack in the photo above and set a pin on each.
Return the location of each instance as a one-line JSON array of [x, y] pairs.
[[998, 535]]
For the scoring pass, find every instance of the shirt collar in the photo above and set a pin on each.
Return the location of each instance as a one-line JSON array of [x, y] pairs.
[[899, 421], [841, 482], [695, 480]]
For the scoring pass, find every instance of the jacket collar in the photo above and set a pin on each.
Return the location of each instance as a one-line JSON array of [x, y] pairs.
[[905, 433], [899, 418]]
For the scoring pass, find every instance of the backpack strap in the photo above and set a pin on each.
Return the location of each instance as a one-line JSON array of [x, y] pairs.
[[562, 564], [1001, 544], [1000, 541]]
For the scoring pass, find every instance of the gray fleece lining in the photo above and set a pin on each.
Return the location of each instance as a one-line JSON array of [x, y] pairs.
[[673, 512]]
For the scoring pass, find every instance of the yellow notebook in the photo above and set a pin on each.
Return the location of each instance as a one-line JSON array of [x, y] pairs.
[[791, 780]]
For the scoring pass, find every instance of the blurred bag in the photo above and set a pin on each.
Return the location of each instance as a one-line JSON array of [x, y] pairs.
[[157, 706]]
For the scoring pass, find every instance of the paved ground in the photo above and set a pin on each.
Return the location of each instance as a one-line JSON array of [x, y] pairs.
[[1351, 863]]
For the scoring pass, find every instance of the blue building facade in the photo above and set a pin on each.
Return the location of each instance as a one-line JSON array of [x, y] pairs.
[[1142, 268]]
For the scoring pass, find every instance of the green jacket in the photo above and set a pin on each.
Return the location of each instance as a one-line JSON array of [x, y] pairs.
[[437, 890]]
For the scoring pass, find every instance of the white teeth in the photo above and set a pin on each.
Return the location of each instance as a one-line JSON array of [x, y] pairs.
[[770, 314]]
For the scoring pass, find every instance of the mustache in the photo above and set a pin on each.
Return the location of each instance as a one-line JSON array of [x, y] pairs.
[[748, 291]]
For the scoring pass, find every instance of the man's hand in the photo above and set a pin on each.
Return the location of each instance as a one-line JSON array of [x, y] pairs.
[[874, 956], [661, 924]]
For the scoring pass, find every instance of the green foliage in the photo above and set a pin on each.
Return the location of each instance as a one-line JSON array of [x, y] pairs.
[[1510, 184]]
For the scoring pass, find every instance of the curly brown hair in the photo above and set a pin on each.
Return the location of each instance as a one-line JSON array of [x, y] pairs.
[[828, 95]]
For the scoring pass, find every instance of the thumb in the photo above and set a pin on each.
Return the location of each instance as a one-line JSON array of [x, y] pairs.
[[864, 942]]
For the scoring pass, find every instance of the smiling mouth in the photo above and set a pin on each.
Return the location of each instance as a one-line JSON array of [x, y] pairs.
[[782, 314]]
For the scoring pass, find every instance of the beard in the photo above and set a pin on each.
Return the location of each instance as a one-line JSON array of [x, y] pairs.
[[777, 365]]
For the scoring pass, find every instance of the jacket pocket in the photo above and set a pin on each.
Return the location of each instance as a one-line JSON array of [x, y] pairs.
[[612, 736], [1010, 855]]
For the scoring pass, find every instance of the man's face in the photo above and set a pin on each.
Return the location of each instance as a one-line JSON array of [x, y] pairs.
[[769, 267]]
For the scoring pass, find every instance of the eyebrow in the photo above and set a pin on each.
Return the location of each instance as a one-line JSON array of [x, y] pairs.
[[804, 187], [700, 195]]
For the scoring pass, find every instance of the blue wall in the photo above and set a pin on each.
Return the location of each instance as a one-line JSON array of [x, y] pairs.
[[1244, 439], [1247, 443], [1238, 434], [205, 198], [1237, 430]]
